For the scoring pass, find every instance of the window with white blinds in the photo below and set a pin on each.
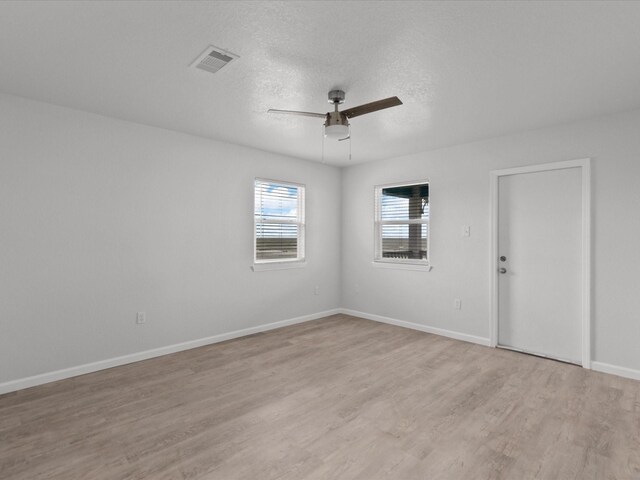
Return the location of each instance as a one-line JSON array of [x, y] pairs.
[[279, 222], [402, 223]]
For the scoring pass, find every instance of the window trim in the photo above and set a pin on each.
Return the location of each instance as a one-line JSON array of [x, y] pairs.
[[401, 263], [282, 263], [263, 267]]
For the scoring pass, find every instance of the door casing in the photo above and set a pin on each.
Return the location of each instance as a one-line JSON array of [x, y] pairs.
[[585, 165]]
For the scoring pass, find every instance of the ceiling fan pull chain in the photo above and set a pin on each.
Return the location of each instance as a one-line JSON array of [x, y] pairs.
[[349, 142], [322, 139]]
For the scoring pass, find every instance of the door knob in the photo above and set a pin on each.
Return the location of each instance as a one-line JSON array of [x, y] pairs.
[[503, 270]]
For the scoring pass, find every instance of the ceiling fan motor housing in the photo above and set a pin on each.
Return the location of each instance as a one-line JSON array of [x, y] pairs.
[[336, 118]]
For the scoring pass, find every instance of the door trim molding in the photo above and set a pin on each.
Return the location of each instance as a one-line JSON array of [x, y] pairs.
[[585, 165]]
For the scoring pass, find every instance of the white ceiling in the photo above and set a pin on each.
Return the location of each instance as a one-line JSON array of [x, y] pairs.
[[464, 70]]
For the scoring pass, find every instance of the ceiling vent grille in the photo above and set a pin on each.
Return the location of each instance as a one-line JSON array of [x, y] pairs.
[[213, 59]]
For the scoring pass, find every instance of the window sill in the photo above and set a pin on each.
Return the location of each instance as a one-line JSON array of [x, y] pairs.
[[261, 267], [403, 266]]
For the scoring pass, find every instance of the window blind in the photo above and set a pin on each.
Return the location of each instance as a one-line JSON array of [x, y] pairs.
[[279, 221]]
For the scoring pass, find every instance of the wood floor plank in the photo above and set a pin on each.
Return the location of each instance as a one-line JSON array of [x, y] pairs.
[[336, 398]]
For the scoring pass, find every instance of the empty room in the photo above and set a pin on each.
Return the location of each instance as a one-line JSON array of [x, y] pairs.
[[295, 240]]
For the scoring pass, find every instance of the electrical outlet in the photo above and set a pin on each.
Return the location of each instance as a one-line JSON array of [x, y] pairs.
[[316, 291], [466, 230], [457, 304], [141, 317]]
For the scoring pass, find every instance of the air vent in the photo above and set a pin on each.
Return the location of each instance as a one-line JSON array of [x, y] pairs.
[[213, 59]]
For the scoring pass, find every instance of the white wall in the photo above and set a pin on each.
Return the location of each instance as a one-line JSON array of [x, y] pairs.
[[461, 266], [101, 218]]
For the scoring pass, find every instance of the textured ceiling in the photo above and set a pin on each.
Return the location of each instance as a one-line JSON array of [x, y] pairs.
[[464, 70]]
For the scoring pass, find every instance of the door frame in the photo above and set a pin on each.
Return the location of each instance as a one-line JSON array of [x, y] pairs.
[[585, 165]]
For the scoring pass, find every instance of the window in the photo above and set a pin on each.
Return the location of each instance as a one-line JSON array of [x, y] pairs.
[[402, 223], [279, 222]]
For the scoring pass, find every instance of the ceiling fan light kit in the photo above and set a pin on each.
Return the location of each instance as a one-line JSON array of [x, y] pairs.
[[336, 131]]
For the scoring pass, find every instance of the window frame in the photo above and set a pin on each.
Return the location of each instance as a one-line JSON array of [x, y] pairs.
[[407, 263], [300, 221]]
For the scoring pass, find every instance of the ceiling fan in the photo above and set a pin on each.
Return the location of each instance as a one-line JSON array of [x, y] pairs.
[[336, 124]]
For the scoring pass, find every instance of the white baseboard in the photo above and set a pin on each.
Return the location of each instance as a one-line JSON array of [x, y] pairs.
[[616, 370], [42, 378], [416, 326], [48, 377]]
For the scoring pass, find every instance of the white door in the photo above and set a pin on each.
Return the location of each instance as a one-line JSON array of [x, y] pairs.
[[540, 263]]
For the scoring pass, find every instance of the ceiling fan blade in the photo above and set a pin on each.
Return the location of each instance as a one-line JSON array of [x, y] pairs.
[[372, 107], [295, 112]]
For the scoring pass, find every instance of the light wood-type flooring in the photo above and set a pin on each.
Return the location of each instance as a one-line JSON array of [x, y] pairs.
[[337, 398]]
